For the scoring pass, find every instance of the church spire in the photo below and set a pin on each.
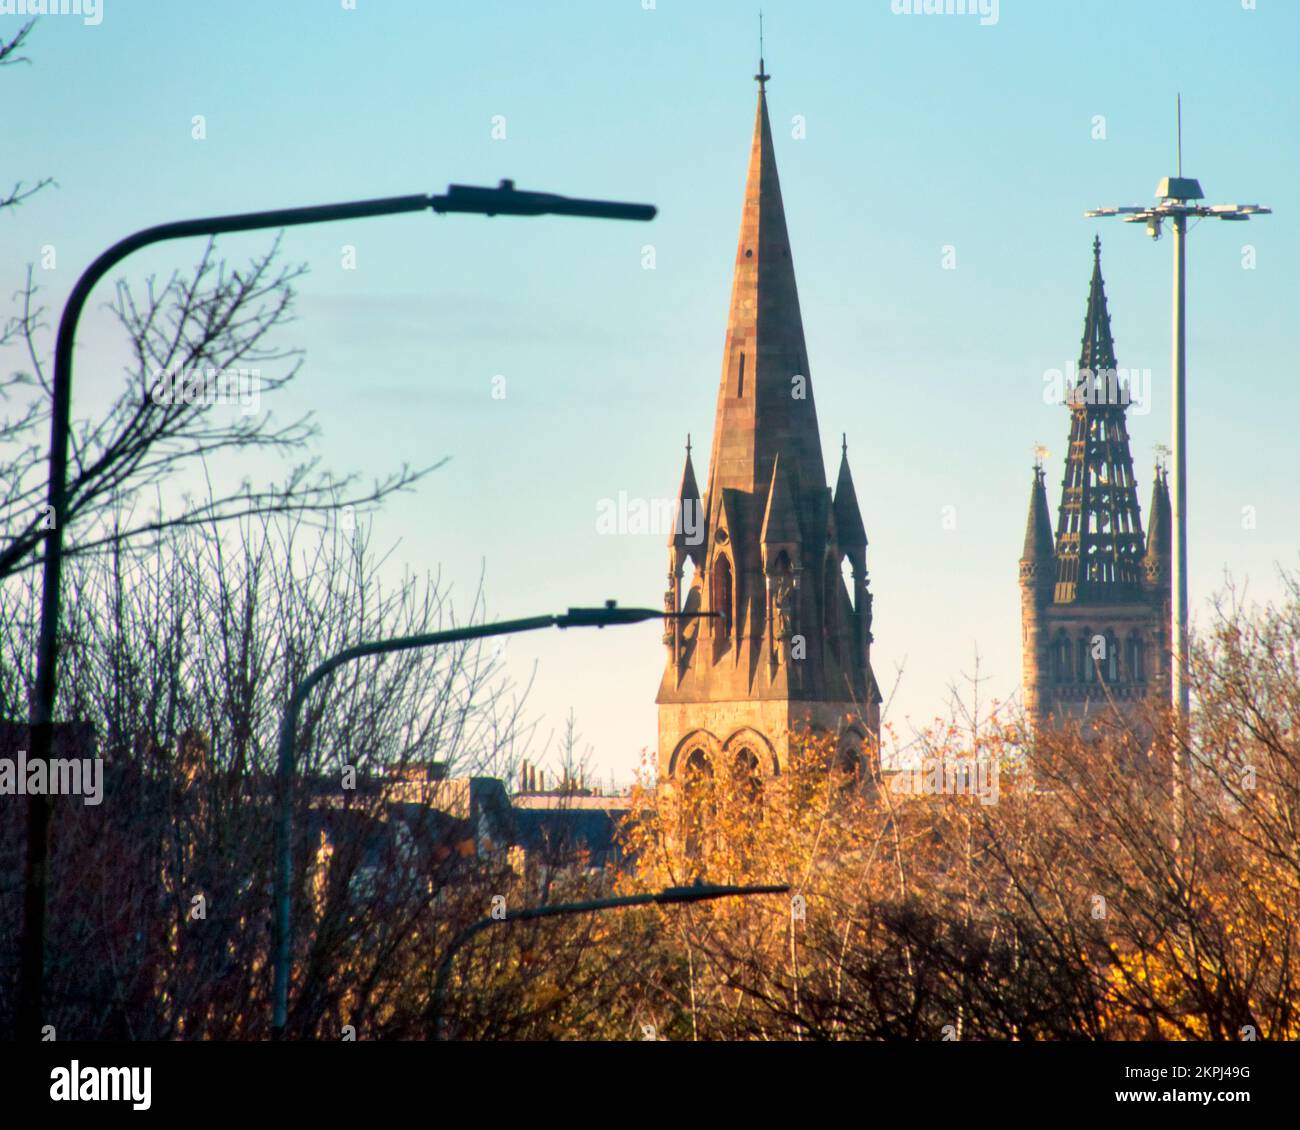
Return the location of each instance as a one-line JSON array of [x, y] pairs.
[[1097, 352], [1094, 609], [787, 645], [1099, 529], [765, 399]]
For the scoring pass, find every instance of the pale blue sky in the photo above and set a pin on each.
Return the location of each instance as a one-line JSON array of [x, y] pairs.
[[921, 131]]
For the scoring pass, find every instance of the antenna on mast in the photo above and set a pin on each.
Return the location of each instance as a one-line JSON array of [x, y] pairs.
[[1180, 134]]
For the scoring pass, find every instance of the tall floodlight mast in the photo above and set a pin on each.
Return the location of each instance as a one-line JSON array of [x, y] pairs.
[[1178, 199]]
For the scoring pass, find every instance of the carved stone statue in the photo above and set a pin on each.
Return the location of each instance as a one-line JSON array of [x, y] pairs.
[[783, 610]]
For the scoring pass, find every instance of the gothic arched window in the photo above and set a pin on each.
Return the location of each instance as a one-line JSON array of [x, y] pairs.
[[723, 595], [746, 775], [697, 801], [850, 764], [1112, 658], [1087, 666], [1062, 658], [831, 583], [1136, 668]]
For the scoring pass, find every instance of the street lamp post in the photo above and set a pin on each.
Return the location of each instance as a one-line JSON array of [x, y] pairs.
[[504, 200], [610, 614], [698, 893], [1178, 198]]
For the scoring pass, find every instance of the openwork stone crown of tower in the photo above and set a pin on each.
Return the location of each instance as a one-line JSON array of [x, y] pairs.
[[767, 540], [1095, 599]]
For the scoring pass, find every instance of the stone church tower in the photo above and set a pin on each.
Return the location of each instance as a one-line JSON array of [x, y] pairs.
[[767, 540], [1095, 602]]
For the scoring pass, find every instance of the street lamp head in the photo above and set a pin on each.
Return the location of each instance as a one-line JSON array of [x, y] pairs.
[[1179, 188], [506, 200], [1132, 211], [1174, 208], [612, 614], [702, 892], [1237, 211]]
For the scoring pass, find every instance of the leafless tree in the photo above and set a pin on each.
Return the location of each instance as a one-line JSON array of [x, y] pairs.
[[10, 56], [182, 661], [202, 359]]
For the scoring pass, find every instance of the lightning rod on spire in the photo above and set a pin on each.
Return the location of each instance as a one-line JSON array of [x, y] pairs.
[[762, 75]]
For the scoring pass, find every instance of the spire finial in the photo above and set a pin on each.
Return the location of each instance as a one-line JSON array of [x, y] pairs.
[[844, 444], [1096, 249], [762, 75], [688, 445]]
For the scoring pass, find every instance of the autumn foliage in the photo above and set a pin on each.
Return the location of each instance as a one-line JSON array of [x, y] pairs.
[[1103, 888], [1114, 889]]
